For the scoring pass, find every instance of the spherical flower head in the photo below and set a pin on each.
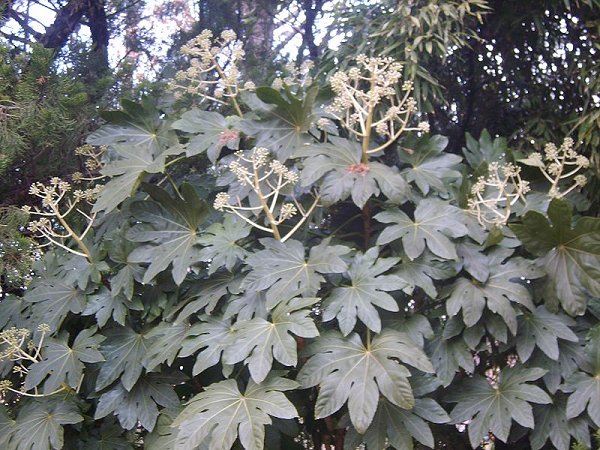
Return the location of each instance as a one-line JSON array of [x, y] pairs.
[[288, 210], [221, 201], [322, 123], [580, 180], [249, 86], [277, 84], [43, 328], [424, 127], [550, 151], [228, 35], [582, 161]]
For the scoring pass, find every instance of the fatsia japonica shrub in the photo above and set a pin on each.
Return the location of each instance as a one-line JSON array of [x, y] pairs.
[[291, 267]]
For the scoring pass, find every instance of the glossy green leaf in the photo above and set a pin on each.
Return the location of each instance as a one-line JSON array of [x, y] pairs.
[[7, 427], [551, 423], [258, 341], [170, 229], [504, 285], [217, 416], [435, 223], [448, 356], [105, 306], [491, 407], [570, 255], [63, 364], [347, 370], [138, 405], [282, 268], [220, 243], [209, 338], [165, 342], [422, 271], [367, 289], [39, 424], [485, 149], [124, 350]]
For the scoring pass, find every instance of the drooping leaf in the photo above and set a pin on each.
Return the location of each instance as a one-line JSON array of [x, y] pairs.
[[347, 370], [421, 272], [63, 364], [221, 414], [395, 427], [501, 288], [165, 342], [211, 132], [551, 423], [429, 167], [448, 356], [52, 300], [284, 128], [124, 350], [220, 243], [170, 229], [138, 405], [367, 290], [209, 338], [492, 406], [39, 424], [258, 341], [282, 268], [435, 223], [340, 165], [542, 328], [570, 255]]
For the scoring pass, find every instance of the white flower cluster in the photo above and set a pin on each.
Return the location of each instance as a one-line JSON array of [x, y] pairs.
[[492, 198], [558, 164], [369, 98], [214, 67], [267, 178], [295, 75]]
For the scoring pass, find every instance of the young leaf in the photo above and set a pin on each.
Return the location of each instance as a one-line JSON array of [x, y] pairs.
[[221, 413], [220, 244], [124, 350], [212, 132], [570, 256], [340, 165], [396, 427], [257, 341], [502, 287], [368, 289], [170, 226], [283, 269], [435, 222], [430, 166], [139, 404], [39, 424], [347, 370], [492, 406], [542, 328], [62, 364]]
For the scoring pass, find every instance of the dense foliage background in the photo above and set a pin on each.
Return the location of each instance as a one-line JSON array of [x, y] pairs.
[[257, 238]]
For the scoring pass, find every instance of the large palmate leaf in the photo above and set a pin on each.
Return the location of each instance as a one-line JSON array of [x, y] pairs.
[[396, 427], [284, 270], [109, 436], [570, 255], [551, 423], [503, 286], [170, 228], [585, 390], [220, 243], [491, 406], [217, 416], [367, 289], [139, 404], [485, 149], [435, 223], [209, 338], [347, 370], [448, 356], [422, 271], [127, 172], [542, 328], [7, 427], [63, 364], [211, 132], [284, 128], [257, 341], [124, 280], [124, 350], [165, 342], [104, 306], [430, 167], [52, 300], [39, 424], [344, 175]]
